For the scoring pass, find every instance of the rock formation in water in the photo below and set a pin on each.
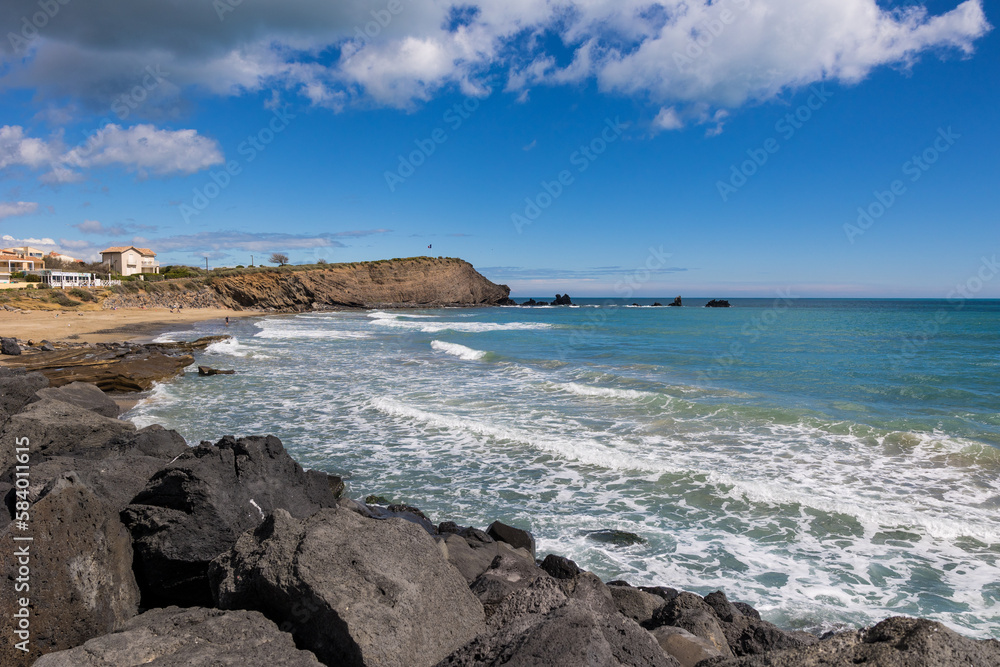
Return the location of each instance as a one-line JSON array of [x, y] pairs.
[[717, 303]]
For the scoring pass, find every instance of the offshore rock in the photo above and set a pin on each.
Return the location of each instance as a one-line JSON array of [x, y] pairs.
[[175, 637], [677, 302], [717, 303], [562, 300], [355, 591], [80, 560], [195, 508], [205, 370]]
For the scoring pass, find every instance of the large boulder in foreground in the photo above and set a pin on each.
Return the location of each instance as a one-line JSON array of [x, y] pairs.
[[353, 590], [80, 562], [84, 395], [195, 508], [895, 642], [17, 389], [55, 427], [175, 637]]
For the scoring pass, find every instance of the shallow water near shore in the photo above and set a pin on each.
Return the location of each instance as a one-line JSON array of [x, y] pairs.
[[831, 462]]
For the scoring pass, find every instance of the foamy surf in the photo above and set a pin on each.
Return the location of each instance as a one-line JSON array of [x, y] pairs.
[[456, 350]]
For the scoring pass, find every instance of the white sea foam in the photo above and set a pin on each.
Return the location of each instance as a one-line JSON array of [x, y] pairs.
[[285, 329], [606, 392], [230, 347], [461, 327], [460, 351]]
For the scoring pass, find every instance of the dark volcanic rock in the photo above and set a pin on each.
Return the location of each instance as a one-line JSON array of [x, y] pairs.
[[895, 642], [154, 440], [81, 582], [620, 538], [538, 626], [692, 613], [636, 604], [9, 346], [205, 370], [470, 556], [17, 389], [562, 300], [55, 427], [516, 537], [116, 472], [717, 303], [509, 572], [353, 590], [677, 302], [175, 637], [559, 567], [532, 302], [196, 507], [685, 647], [83, 395], [747, 634]]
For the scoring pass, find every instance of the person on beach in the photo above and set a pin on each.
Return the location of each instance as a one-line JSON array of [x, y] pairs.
[[227, 320]]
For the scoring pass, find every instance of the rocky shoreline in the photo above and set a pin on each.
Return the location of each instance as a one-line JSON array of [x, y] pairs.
[[144, 550]]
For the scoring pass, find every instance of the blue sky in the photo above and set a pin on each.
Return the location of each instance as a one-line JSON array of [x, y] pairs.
[[599, 148]]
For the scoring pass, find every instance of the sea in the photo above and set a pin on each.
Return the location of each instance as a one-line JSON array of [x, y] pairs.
[[830, 462]]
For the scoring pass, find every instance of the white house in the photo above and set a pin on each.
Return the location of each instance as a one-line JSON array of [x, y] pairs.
[[129, 260]]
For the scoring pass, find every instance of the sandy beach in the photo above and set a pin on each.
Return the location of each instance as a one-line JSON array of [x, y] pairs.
[[101, 326]]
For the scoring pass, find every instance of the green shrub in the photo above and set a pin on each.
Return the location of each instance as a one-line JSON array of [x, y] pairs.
[[60, 297], [42, 286], [82, 294], [30, 278]]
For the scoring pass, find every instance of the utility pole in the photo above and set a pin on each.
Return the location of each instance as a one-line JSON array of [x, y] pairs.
[[206, 263], [251, 261]]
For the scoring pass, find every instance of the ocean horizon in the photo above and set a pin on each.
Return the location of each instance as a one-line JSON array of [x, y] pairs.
[[832, 462]]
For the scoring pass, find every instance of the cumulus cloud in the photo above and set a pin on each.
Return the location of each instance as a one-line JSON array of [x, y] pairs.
[[691, 52], [96, 227], [234, 240], [141, 148], [9, 209], [42, 244], [668, 119]]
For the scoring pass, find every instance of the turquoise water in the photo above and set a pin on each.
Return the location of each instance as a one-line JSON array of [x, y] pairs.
[[830, 462]]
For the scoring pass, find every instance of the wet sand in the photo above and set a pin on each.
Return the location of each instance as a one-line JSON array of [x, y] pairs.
[[103, 326]]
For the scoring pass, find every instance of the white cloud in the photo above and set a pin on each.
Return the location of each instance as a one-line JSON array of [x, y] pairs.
[[668, 119], [45, 244], [234, 240], [140, 148], [11, 208], [722, 53]]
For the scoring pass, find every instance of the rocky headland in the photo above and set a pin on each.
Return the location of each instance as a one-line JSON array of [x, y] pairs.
[[417, 282], [127, 546]]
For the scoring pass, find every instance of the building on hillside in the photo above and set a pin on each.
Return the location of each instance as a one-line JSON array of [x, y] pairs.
[[129, 260], [66, 259], [63, 279], [10, 263], [27, 252]]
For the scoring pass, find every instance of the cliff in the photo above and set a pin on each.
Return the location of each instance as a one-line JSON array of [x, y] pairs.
[[398, 283]]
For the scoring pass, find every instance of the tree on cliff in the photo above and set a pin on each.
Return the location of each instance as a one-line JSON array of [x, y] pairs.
[[279, 259]]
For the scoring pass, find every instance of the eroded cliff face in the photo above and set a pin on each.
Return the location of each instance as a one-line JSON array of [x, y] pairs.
[[422, 281], [400, 283]]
